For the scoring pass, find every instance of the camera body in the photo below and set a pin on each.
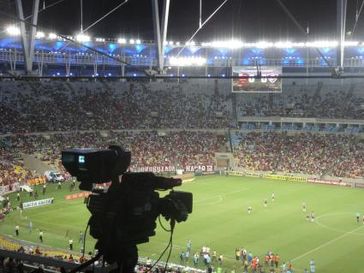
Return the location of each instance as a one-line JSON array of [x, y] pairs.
[[125, 214]]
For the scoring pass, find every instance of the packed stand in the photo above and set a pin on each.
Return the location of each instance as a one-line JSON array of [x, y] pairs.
[[11, 168], [149, 148], [305, 153], [311, 102], [27, 106]]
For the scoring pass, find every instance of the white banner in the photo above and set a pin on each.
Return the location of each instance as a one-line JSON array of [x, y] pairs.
[[38, 203], [160, 169]]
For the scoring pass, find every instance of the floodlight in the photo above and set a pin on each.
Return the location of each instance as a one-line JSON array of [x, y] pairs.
[[138, 42], [234, 44], [40, 35], [13, 30], [191, 43], [131, 41], [263, 44], [286, 44], [187, 61], [122, 41], [298, 44], [322, 44], [52, 36], [231, 44], [82, 37], [100, 40], [351, 43]]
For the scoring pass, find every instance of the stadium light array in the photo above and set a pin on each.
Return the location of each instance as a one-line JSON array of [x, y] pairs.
[[232, 44], [82, 37], [351, 43], [236, 44], [322, 44], [12, 30], [191, 43], [264, 44], [187, 61], [122, 41], [40, 35], [52, 36], [286, 44]]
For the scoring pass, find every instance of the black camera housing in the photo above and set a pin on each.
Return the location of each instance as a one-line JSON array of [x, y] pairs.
[[125, 214], [91, 166]]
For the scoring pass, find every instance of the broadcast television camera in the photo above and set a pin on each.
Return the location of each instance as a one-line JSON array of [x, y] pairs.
[[125, 214]]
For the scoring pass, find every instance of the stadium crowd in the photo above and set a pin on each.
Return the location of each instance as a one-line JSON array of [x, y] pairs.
[[315, 103], [149, 148], [11, 168], [304, 153], [57, 106], [66, 107], [30, 106]]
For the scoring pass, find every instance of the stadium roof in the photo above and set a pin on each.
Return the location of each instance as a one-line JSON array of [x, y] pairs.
[[250, 20]]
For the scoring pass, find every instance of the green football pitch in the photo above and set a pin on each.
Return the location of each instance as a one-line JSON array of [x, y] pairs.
[[220, 221]]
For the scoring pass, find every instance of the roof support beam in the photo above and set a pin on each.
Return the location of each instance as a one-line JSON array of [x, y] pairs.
[[341, 31], [160, 34], [27, 38]]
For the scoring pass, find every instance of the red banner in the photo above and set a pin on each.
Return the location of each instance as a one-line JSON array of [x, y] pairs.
[[77, 195]]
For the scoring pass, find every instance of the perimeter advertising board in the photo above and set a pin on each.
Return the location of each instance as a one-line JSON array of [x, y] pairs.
[[38, 203]]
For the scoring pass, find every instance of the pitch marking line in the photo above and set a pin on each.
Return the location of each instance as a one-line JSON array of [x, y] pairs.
[[335, 229], [326, 244]]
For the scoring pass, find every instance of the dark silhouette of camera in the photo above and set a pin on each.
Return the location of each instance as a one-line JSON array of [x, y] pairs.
[[125, 214]]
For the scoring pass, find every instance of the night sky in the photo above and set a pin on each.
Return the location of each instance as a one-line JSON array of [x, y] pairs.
[[248, 20]]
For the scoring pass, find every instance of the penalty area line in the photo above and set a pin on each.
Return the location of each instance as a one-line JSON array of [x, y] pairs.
[[326, 244]]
